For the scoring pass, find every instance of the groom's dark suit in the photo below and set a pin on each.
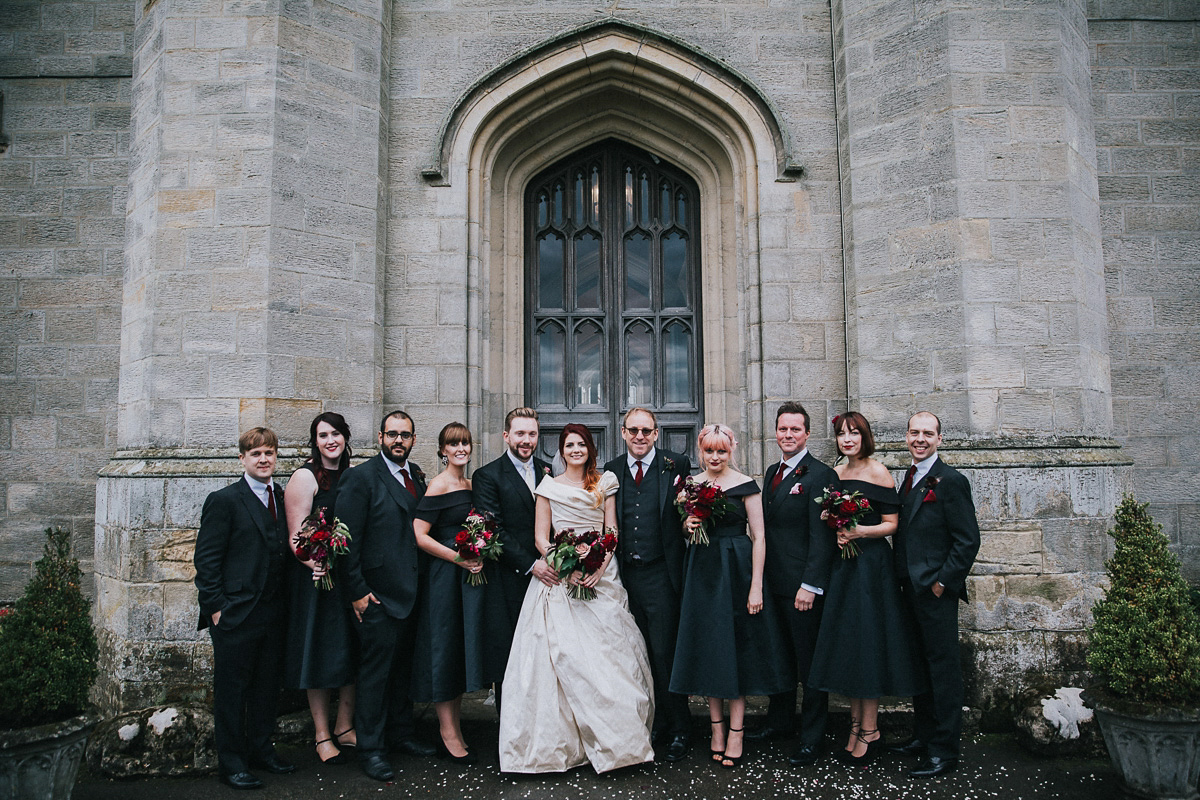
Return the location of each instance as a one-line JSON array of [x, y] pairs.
[[650, 553], [382, 560], [937, 541], [240, 558], [498, 487], [800, 550]]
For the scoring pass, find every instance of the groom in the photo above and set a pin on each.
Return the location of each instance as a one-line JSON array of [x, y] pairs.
[[651, 553], [505, 488]]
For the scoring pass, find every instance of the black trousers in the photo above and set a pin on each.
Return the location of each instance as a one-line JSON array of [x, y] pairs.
[[247, 672], [383, 705], [802, 628], [655, 607], [937, 714]]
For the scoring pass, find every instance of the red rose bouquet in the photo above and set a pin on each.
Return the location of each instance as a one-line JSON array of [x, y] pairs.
[[478, 540], [703, 500], [844, 510], [322, 539], [584, 551]]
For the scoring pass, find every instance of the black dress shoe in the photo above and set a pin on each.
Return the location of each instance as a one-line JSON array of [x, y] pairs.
[[805, 755], [913, 747], [273, 764], [465, 759], [412, 747], [241, 780], [933, 766], [374, 767], [769, 732], [676, 749]]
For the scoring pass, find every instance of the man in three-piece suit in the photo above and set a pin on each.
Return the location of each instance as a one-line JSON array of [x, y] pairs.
[[934, 548], [505, 487], [376, 501], [650, 552], [241, 554], [800, 553]]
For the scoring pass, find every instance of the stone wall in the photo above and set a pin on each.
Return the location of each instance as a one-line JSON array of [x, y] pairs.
[[64, 75], [1146, 96]]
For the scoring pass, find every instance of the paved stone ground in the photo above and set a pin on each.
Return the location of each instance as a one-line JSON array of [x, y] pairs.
[[994, 766]]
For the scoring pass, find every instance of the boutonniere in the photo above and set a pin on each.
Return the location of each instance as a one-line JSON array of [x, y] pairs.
[[668, 465], [802, 471], [930, 497], [797, 489], [546, 471], [417, 472]]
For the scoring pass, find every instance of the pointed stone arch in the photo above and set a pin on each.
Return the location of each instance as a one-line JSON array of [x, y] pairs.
[[616, 80]]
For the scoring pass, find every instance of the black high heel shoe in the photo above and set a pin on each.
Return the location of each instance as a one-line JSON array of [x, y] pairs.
[[465, 759], [717, 755], [344, 745], [873, 748], [728, 761], [340, 758]]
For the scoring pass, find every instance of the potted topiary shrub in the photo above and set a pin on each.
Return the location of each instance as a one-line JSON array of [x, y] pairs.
[[1145, 653], [48, 652]]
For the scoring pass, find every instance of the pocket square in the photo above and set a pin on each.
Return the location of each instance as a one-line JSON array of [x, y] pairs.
[[797, 489], [930, 497]]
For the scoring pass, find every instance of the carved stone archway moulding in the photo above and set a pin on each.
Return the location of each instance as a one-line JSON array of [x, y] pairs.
[[616, 80]]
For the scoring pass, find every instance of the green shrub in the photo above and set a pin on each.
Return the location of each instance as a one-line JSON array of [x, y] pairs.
[[1145, 643], [47, 643]]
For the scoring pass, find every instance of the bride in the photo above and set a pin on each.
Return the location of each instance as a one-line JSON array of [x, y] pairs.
[[577, 685]]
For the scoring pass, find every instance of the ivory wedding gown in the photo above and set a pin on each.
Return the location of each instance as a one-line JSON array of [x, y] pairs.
[[577, 688]]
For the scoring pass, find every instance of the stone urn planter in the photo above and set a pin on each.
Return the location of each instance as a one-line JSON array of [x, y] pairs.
[[40, 763], [1155, 750]]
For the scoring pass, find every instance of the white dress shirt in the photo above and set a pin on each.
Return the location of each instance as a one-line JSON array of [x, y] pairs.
[[524, 469], [646, 460], [261, 490]]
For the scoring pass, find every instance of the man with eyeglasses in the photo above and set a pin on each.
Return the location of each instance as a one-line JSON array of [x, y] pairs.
[[376, 500], [650, 552]]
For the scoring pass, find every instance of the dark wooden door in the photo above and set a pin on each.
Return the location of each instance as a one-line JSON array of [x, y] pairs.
[[613, 292]]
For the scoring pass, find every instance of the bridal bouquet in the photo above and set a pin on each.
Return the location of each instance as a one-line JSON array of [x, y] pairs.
[[844, 510], [322, 539], [703, 500], [584, 551], [478, 540]]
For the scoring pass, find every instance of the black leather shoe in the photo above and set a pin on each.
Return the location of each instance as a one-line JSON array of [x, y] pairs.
[[768, 732], [241, 780], [412, 747], [676, 749], [273, 764], [913, 747], [933, 766], [374, 767], [805, 755]]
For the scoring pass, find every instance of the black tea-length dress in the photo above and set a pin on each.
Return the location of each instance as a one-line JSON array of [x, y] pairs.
[[866, 647], [723, 650], [455, 651], [322, 649]]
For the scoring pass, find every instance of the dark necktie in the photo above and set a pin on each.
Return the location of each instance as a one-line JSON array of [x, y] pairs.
[[408, 484], [637, 478], [778, 479], [271, 501], [908, 480]]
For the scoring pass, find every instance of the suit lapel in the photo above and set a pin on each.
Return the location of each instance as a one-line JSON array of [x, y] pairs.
[[516, 483], [664, 479], [403, 497], [916, 495], [254, 507]]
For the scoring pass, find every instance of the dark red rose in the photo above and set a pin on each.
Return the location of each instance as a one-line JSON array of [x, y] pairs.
[[848, 506]]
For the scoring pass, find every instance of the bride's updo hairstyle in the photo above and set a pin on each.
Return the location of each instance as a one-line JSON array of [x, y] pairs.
[[717, 434], [591, 475]]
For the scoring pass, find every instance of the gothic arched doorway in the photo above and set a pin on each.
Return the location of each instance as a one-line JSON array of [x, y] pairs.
[[612, 271]]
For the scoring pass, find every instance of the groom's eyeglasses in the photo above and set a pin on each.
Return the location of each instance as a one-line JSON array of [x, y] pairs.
[[636, 431], [391, 436]]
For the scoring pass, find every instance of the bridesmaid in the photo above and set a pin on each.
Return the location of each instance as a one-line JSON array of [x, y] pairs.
[[730, 642], [451, 655], [322, 651], [865, 649]]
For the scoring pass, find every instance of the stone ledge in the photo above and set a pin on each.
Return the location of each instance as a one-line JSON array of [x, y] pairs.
[[1016, 452], [200, 462]]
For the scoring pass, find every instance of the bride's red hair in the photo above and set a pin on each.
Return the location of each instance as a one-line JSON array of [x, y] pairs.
[[591, 475]]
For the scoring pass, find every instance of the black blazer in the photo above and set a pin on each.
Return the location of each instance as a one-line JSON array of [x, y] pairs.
[[800, 546], [383, 555], [498, 487], [233, 552], [938, 536], [670, 525]]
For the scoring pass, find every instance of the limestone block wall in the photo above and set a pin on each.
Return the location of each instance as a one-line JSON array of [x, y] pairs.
[[64, 75], [1145, 64]]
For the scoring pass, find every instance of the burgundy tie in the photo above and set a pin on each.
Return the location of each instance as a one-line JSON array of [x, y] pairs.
[[908, 476], [638, 477], [271, 501], [778, 479], [408, 484]]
